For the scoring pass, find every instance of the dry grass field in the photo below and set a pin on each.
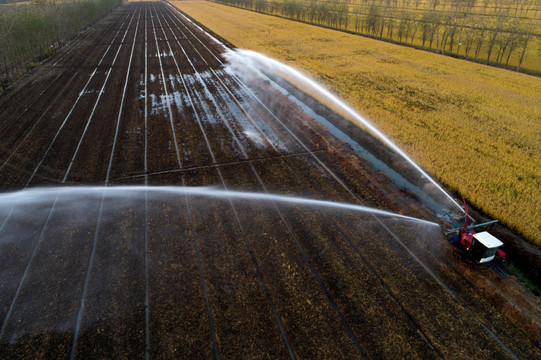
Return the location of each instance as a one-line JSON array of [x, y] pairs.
[[476, 128]]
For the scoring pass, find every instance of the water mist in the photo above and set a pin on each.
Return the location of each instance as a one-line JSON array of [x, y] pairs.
[[239, 58]]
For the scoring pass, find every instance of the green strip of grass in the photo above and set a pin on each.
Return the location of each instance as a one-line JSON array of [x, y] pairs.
[[513, 270]]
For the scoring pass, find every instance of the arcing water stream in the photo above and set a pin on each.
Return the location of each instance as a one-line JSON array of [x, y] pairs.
[[43, 197], [26, 215], [241, 58], [36, 220]]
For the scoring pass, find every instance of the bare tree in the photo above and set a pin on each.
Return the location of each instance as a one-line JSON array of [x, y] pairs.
[[413, 26], [402, 25], [524, 40], [261, 6], [470, 33], [426, 25], [500, 18], [374, 18], [357, 19], [390, 24], [343, 13]]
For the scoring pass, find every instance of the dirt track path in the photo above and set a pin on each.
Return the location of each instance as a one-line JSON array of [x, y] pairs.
[[144, 99]]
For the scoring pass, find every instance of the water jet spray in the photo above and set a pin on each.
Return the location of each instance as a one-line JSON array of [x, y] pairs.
[[43, 195], [255, 60]]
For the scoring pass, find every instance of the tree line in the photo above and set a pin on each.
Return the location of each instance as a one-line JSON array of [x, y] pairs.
[[31, 32], [498, 32]]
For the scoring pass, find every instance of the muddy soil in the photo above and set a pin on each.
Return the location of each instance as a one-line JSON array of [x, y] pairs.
[[145, 98]]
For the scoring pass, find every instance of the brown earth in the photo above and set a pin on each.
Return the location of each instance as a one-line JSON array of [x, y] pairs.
[[144, 98]]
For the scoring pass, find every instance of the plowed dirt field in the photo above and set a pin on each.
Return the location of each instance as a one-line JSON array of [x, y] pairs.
[[145, 98]]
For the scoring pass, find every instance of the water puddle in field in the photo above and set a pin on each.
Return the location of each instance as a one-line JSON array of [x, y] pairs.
[[239, 60]]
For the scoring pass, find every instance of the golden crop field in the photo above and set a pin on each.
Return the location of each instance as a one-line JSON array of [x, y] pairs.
[[476, 128]]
